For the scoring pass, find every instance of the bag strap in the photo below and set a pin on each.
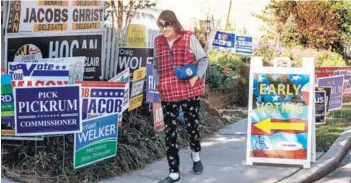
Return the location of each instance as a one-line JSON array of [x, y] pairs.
[[170, 54]]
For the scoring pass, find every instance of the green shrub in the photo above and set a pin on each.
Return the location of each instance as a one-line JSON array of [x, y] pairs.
[[217, 79], [227, 59]]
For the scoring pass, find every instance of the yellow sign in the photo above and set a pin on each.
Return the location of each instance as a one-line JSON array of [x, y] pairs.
[[136, 102], [136, 36], [139, 74], [267, 125]]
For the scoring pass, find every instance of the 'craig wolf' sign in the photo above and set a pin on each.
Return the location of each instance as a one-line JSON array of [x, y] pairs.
[[21, 49], [37, 16], [133, 58]]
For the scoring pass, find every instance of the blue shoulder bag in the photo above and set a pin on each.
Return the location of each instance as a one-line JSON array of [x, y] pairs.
[[182, 72]]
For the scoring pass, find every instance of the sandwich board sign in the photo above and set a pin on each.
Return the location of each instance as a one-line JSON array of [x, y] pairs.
[[280, 122]]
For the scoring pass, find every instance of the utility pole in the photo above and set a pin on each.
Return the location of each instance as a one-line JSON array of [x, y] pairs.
[[230, 7]]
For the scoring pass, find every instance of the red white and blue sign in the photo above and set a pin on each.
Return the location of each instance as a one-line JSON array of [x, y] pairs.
[[243, 45], [224, 41], [152, 94], [101, 98], [48, 110], [39, 74]]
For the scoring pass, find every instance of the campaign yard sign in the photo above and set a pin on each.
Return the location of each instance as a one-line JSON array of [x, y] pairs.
[[320, 107], [158, 117], [38, 74], [337, 87], [7, 102], [123, 77], [48, 110], [327, 95], [100, 98], [48, 16], [97, 142], [243, 45], [75, 66], [347, 80], [23, 48], [136, 35], [224, 41], [152, 94], [133, 58], [281, 114]]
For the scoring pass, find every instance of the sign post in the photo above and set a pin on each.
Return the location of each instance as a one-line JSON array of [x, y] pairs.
[[280, 121]]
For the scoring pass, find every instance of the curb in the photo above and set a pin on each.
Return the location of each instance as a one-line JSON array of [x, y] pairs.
[[326, 164]]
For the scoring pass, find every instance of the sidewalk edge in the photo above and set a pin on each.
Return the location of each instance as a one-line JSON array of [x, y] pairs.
[[326, 164]]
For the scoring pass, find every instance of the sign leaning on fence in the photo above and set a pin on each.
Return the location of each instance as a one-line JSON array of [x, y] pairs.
[[133, 58], [75, 66], [97, 142], [136, 35], [38, 74], [48, 110], [280, 114], [24, 48], [69, 16]]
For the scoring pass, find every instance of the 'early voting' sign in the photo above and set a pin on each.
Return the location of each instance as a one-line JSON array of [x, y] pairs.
[[97, 142], [243, 45], [47, 110], [281, 114], [152, 94]]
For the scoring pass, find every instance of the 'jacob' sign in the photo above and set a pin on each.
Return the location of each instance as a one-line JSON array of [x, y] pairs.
[[47, 110]]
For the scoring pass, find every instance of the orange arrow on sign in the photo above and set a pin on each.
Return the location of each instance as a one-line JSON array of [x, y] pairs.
[[267, 125]]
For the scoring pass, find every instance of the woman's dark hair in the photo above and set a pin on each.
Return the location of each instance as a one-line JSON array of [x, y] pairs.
[[169, 16]]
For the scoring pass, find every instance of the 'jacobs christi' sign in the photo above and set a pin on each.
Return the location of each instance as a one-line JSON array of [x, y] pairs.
[[98, 140], [37, 16], [47, 110]]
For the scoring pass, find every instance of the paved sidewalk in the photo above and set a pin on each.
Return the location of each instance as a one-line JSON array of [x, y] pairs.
[[223, 156], [342, 174]]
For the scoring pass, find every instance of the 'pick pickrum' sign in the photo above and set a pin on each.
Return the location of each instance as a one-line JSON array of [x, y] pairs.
[[37, 16]]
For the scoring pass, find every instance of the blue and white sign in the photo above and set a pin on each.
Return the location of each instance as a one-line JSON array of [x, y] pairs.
[[48, 110], [243, 45], [39, 74], [224, 41], [152, 95]]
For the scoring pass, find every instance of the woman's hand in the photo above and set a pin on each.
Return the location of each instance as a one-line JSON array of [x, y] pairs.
[[193, 80]]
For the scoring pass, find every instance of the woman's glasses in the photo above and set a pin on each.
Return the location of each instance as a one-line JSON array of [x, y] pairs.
[[163, 25]]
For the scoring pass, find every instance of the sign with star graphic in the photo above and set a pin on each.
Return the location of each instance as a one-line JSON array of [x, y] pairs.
[[47, 110], [101, 98], [38, 74], [281, 101], [75, 66]]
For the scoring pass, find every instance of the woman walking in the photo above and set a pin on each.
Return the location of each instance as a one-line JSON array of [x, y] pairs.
[[180, 64]]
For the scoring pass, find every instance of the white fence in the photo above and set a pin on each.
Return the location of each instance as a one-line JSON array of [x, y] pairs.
[[113, 39]]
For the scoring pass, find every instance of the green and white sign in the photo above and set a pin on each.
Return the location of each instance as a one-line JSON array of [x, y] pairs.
[[97, 142]]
